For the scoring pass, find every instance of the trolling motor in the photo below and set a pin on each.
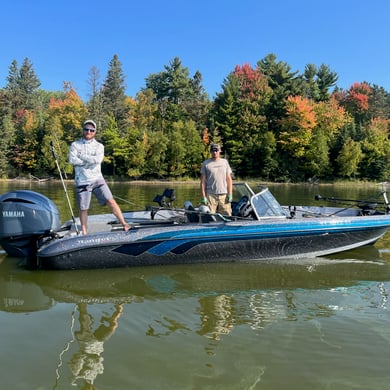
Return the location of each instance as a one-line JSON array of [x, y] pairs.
[[164, 200]]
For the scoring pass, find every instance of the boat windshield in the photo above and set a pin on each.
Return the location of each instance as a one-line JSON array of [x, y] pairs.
[[265, 205]]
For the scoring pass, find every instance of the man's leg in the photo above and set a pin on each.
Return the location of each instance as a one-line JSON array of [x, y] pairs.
[[118, 213], [224, 207], [212, 202], [84, 221], [83, 200]]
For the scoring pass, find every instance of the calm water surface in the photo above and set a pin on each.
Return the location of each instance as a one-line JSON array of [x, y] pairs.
[[301, 324]]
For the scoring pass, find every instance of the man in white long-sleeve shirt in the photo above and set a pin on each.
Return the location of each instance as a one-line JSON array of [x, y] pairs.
[[86, 154]]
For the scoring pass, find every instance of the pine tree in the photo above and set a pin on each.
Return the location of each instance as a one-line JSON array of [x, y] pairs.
[[180, 97], [113, 92], [95, 102], [22, 85], [28, 84]]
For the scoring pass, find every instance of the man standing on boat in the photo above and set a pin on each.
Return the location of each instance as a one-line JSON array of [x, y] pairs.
[[216, 182], [86, 154]]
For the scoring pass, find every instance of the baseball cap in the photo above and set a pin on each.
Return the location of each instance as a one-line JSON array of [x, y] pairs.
[[90, 121], [215, 147]]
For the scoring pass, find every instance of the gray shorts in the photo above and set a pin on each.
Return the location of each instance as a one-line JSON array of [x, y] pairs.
[[99, 188]]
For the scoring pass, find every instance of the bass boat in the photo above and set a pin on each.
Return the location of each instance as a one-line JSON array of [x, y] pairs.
[[260, 228]]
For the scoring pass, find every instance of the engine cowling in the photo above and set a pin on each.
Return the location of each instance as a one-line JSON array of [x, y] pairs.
[[26, 216]]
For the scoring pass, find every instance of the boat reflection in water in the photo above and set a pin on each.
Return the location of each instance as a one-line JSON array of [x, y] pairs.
[[207, 300]]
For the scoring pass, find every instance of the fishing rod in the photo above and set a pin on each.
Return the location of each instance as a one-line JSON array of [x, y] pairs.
[[333, 199], [63, 184], [369, 203], [125, 200], [58, 147]]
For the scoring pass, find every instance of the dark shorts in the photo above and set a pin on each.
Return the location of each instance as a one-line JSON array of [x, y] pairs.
[[99, 188]]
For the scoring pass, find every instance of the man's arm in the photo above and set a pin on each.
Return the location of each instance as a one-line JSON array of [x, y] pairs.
[[74, 155], [203, 185], [80, 157], [229, 183]]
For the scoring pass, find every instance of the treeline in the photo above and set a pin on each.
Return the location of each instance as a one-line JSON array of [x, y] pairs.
[[273, 123]]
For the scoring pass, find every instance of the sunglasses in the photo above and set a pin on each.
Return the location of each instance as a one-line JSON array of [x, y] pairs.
[[214, 150], [90, 130]]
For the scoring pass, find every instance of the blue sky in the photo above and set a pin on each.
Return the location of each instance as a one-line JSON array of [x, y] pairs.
[[64, 39]]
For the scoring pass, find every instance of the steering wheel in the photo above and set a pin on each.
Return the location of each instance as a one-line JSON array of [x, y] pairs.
[[240, 206]]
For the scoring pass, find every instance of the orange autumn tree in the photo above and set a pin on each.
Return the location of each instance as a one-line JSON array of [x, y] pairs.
[[63, 125], [297, 126], [356, 101], [331, 120]]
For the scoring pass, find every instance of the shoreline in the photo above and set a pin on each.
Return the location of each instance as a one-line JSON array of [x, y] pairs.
[[194, 182]]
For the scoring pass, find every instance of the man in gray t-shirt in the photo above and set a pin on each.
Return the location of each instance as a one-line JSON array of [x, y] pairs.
[[216, 183]]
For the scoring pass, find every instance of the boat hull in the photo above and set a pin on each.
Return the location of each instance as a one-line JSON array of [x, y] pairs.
[[210, 243]]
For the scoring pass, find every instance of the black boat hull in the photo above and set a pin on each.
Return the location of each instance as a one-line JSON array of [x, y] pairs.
[[202, 250]]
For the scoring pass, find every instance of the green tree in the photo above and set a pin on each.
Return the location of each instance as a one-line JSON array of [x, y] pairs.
[[157, 142], [25, 152], [349, 159], [22, 85], [144, 112], [198, 104], [375, 164], [241, 121], [379, 103], [179, 96], [316, 161], [176, 150], [331, 119], [325, 80], [184, 153], [7, 131], [28, 84], [318, 81], [115, 147], [311, 88], [12, 87], [95, 102], [113, 92], [283, 83]]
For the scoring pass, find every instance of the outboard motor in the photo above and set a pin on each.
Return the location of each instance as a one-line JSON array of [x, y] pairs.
[[25, 217]]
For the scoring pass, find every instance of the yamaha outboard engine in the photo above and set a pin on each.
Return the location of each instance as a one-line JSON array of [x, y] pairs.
[[25, 217]]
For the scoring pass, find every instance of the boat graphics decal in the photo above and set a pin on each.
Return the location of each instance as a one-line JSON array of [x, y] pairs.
[[180, 244]]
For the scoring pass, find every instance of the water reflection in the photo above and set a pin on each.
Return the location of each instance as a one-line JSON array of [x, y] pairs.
[[22, 290], [216, 316], [87, 362], [211, 302]]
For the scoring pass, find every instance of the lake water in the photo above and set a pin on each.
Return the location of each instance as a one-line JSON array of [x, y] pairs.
[[302, 324]]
